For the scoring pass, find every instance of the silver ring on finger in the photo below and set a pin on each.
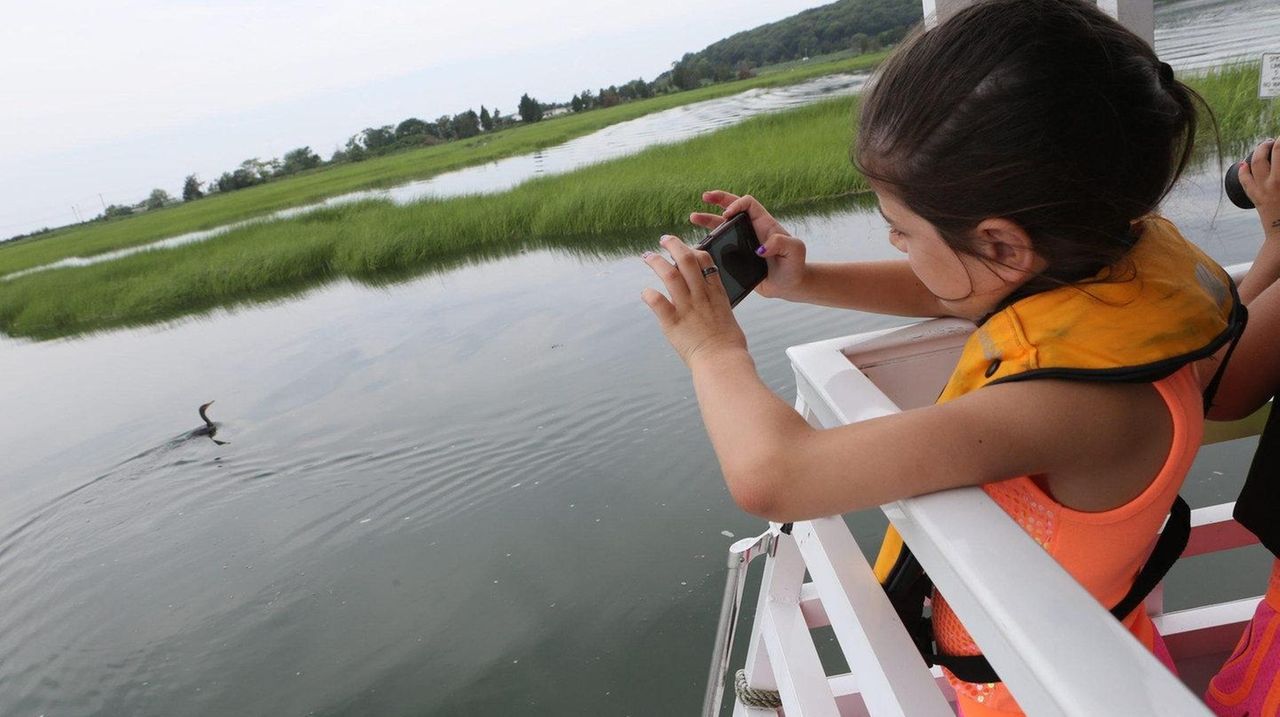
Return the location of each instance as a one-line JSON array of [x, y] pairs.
[[709, 271]]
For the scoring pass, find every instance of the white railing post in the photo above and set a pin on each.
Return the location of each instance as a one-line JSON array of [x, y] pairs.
[[780, 584], [798, 672], [892, 677], [936, 11], [1137, 15]]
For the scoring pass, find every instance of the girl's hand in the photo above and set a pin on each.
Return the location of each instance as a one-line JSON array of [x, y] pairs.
[[784, 253], [697, 319], [1261, 181]]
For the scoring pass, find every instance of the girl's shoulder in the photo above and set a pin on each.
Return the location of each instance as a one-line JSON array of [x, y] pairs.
[[1096, 445]]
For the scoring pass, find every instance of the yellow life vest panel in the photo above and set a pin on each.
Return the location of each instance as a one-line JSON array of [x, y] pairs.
[[1162, 306]]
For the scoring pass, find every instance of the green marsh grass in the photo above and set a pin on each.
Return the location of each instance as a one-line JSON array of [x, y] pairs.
[[794, 160], [1243, 119], [221, 209], [787, 159]]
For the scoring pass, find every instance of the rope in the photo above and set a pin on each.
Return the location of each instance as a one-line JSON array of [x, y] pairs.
[[766, 699]]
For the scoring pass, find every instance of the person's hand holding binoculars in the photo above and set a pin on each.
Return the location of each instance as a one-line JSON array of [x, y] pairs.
[[1255, 183]]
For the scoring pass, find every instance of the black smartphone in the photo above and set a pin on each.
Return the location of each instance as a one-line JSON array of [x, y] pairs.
[[732, 247]]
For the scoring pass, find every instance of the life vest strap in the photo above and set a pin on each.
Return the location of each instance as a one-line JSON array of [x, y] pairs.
[[970, 668], [1168, 548], [1236, 325]]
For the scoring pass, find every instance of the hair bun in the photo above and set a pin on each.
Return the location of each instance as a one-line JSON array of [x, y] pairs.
[[1166, 74]]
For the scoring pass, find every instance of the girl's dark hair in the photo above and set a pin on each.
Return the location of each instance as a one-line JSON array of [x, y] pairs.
[[1046, 112]]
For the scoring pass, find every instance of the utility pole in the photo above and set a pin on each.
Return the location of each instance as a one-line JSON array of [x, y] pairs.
[[77, 213], [104, 203]]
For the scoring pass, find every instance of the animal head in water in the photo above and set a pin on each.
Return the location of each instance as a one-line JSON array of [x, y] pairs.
[[202, 409]]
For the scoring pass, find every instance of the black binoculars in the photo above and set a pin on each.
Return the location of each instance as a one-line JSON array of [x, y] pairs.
[[1235, 192]]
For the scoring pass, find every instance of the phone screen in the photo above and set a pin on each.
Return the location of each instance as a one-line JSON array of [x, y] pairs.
[[732, 247]]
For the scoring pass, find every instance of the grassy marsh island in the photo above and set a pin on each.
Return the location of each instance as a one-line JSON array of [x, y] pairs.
[[789, 160]]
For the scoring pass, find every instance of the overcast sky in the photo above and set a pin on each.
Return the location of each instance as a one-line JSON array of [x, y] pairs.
[[123, 96]]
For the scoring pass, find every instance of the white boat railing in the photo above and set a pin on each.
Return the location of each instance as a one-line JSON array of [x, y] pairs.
[[1055, 647]]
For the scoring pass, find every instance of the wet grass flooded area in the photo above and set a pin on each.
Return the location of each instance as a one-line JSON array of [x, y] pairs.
[[461, 477]]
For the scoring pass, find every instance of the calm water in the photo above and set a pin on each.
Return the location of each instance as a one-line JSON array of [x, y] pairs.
[[485, 492], [1192, 34]]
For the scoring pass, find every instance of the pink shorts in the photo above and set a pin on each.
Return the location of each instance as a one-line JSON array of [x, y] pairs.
[[1247, 684]]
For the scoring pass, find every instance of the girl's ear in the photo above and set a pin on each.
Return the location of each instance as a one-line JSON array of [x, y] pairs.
[[1007, 249]]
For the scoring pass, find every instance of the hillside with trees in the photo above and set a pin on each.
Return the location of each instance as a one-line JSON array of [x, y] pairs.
[[858, 26]]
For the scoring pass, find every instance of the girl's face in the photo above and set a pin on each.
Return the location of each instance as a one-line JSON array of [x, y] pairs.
[[964, 283]]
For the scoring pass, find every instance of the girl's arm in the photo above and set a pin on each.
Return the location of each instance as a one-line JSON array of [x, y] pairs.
[[882, 287], [779, 467], [1253, 374]]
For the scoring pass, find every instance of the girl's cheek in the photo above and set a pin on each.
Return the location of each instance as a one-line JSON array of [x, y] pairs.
[[925, 274], [943, 275]]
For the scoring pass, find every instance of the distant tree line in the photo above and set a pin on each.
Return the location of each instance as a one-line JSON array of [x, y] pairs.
[[860, 26], [157, 199], [369, 142], [617, 94], [35, 233], [415, 132]]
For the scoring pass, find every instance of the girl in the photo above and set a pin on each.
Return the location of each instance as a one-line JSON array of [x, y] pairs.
[[1018, 151]]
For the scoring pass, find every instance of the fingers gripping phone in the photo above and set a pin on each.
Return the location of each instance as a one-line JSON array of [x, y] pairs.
[[732, 247]]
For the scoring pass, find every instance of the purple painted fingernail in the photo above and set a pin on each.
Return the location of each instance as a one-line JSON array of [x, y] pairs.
[[760, 251], [646, 255]]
